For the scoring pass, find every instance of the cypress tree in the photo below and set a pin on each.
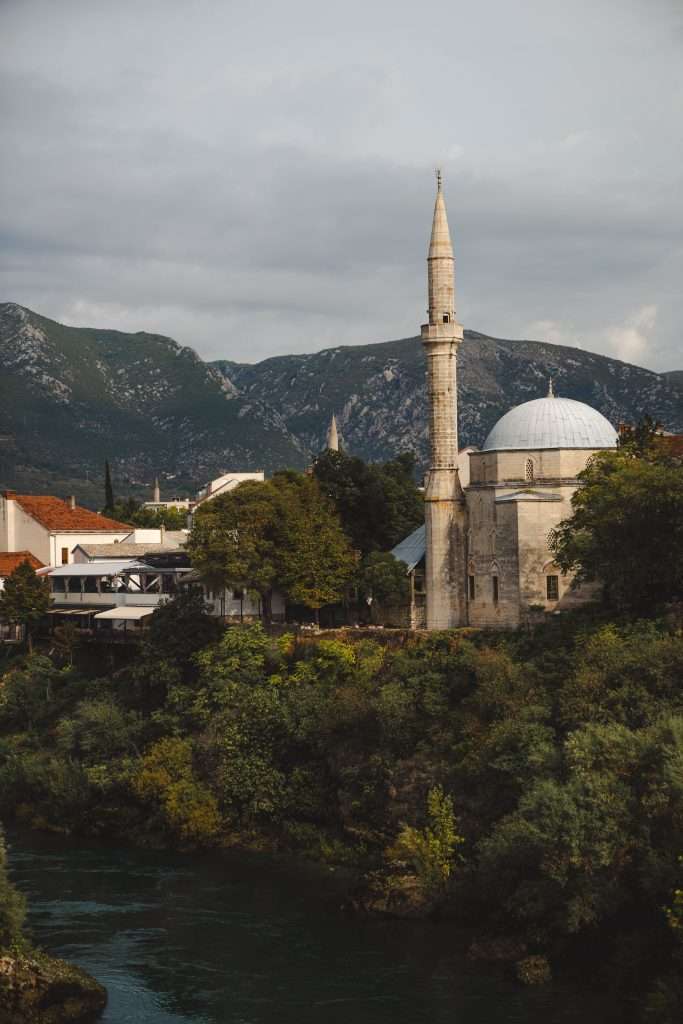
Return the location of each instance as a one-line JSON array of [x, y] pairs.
[[108, 489]]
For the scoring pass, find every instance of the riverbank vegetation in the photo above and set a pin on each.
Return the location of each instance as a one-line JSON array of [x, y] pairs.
[[531, 785], [527, 786]]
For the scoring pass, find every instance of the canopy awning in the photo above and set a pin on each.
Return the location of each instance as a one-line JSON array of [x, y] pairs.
[[72, 611], [111, 568], [125, 612]]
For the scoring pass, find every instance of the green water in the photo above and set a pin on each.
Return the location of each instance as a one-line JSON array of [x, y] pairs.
[[245, 940]]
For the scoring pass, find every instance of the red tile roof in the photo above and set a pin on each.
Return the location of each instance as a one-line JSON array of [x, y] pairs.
[[56, 514], [11, 560]]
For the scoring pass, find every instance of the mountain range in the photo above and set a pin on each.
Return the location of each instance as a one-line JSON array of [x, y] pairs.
[[71, 397]]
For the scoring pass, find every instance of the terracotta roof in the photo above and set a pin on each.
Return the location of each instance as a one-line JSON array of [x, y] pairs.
[[10, 560], [672, 444], [56, 514]]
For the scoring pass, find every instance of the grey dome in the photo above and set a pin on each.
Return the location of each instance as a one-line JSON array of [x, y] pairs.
[[551, 423]]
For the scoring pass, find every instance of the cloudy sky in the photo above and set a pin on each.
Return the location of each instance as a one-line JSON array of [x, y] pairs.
[[255, 178]]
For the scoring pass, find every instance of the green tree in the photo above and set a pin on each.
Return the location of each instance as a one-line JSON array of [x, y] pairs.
[[109, 502], [626, 531], [233, 542], [25, 599], [383, 578], [639, 440], [178, 629], [431, 851], [378, 505], [315, 561], [12, 904], [133, 512], [280, 534]]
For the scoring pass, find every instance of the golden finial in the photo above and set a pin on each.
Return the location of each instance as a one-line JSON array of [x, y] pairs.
[[438, 179]]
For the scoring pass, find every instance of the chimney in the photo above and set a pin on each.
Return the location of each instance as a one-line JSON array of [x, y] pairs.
[[71, 501]]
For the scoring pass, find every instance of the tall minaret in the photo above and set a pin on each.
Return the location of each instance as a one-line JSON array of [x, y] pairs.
[[445, 509], [333, 435], [156, 494]]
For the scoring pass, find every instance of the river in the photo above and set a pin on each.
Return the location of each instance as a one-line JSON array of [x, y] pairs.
[[246, 939]]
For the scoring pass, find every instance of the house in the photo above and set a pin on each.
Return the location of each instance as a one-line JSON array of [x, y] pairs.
[[138, 543], [9, 561], [50, 528], [235, 605], [114, 595]]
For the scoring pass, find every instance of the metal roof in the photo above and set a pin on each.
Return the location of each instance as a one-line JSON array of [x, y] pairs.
[[174, 541], [551, 423], [97, 568], [412, 549]]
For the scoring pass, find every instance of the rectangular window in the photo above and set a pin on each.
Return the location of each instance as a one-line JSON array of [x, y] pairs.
[[494, 581], [552, 587], [471, 587], [65, 556]]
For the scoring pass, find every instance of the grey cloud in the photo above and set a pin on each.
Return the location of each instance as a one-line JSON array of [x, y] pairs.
[[259, 180]]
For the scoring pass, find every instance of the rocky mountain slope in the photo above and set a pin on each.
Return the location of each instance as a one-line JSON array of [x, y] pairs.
[[71, 397], [379, 395]]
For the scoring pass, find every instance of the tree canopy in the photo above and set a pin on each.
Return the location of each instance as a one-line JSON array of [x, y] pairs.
[[626, 527], [282, 533], [25, 599], [378, 504]]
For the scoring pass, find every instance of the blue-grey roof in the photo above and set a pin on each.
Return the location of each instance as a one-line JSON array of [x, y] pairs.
[[412, 549], [551, 423]]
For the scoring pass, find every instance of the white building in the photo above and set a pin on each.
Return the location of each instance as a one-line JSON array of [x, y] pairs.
[[224, 484], [221, 485], [50, 528]]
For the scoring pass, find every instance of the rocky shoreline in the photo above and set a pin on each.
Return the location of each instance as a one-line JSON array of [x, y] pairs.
[[38, 989]]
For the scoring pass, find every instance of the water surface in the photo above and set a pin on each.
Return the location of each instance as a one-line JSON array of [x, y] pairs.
[[244, 939]]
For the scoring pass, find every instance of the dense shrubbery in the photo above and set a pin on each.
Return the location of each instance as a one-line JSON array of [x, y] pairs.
[[12, 906], [532, 785]]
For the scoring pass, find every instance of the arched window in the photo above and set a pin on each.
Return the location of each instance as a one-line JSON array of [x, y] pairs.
[[529, 469]]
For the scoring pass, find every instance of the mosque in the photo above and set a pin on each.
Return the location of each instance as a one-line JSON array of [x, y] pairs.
[[483, 556]]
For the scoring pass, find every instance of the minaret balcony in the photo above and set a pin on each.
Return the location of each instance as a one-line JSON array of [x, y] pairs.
[[451, 331]]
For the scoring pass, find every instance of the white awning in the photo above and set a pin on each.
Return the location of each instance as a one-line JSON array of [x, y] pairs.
[[125, 612], [72, 611], [111, 568]]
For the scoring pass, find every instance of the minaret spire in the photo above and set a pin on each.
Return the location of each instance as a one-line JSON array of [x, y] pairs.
[[156, 494], [333, 435], [445, 510]]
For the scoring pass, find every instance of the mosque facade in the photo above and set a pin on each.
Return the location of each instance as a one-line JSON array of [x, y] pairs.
[[485, 546]]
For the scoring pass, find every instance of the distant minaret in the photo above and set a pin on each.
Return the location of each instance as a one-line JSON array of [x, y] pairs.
[[156, 493], [445, 509], [333, 435]]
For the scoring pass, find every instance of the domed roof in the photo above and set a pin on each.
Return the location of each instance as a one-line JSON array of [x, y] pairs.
[[551, 423]]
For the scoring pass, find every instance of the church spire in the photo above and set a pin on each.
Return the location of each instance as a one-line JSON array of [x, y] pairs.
[[333, 435]]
